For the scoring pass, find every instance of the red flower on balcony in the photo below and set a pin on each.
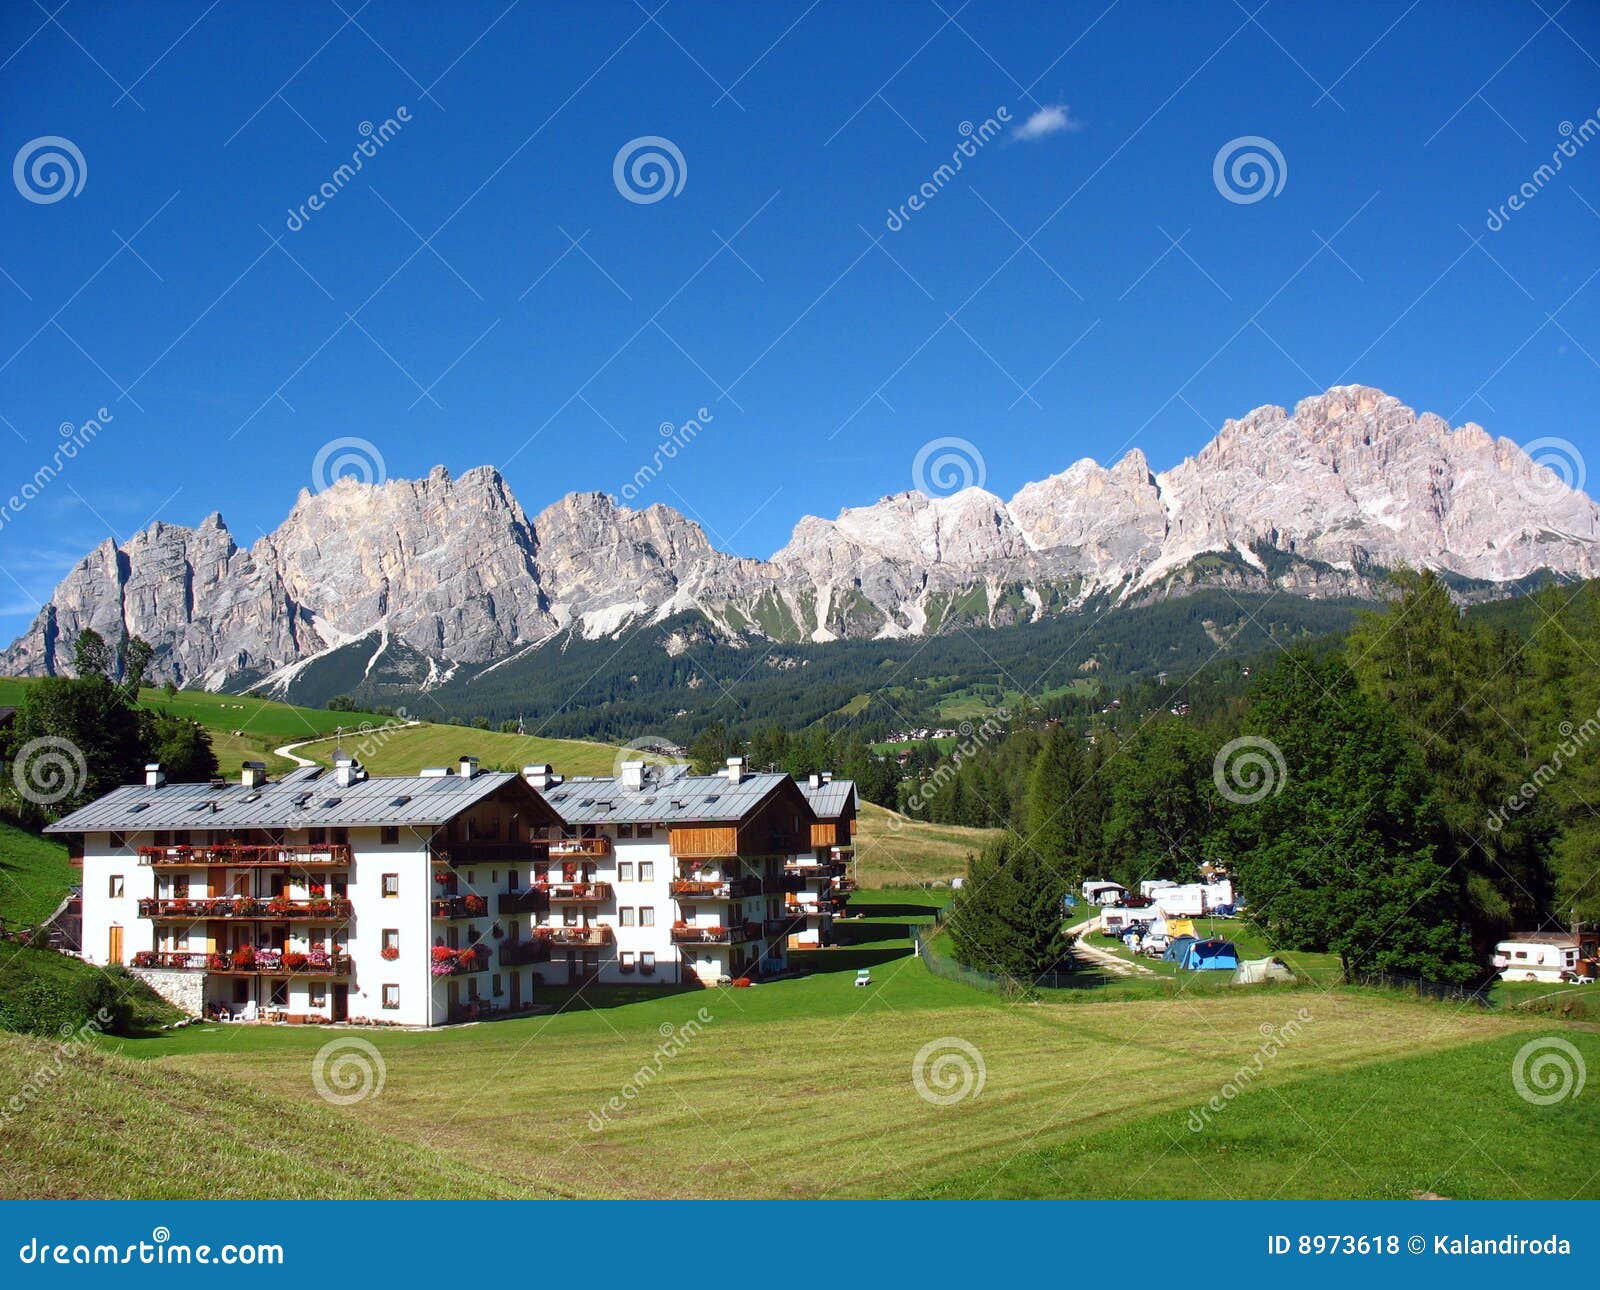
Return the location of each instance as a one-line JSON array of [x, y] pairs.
[[476, 905], [443, 954], [391, 952], [294, 961], [244, 956]]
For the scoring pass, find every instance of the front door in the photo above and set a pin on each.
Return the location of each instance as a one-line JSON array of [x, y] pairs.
[[453, 1001], [341, 1002], [114, 948]]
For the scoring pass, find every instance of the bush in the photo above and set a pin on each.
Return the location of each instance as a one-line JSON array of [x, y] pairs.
[[52, 995]]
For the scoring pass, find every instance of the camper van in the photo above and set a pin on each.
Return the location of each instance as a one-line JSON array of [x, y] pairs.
[[1540, 956], [1098, 891]]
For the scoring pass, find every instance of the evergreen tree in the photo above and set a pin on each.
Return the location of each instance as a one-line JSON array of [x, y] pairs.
[[1007, 917]]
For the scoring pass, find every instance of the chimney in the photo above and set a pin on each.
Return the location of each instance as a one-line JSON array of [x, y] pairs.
[[469, 768], [827, 777], [347, 770], [735, 770], [434, 772], [154, 776], [253, 774], [540, 776], [816, 780], [633, 774]]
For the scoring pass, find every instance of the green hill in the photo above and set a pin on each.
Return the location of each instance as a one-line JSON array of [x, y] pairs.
[[34, 876]]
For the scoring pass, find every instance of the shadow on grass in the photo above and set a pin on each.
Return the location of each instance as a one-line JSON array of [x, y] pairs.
[[845, 959], [893, 911], [869, 933]]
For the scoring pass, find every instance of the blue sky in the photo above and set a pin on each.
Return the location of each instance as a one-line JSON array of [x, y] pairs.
[[1076, 289]]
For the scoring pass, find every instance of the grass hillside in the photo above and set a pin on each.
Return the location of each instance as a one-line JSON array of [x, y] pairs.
[[106, 1126], [406, 750], [34, 876], [892, 850]]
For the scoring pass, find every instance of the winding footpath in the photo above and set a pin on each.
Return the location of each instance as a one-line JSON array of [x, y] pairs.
[[1115, 964]]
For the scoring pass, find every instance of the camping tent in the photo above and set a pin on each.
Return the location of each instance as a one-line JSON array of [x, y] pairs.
[[1255, 971], [1209, 956], [1177, 948]]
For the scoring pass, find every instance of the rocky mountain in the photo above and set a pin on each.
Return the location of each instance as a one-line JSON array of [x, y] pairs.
[[415, 579]]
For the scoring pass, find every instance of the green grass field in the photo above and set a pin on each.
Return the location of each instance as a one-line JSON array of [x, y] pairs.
[[34, 876], [404, 751], [892, 850]]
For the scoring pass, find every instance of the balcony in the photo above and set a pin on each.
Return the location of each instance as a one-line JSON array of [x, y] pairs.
[[685, 935], [246, 962], [816, 869], [461, 962], [486, 851], [578, 893], [311, 855], [701, 889], [450, 907], [783, 884], [531, 901], [580, 849], [779, 928], [573, 937], [248, 908], [517, 953]]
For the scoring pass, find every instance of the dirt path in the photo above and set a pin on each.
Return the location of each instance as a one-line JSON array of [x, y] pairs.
[[1104, 959], [288, 750]]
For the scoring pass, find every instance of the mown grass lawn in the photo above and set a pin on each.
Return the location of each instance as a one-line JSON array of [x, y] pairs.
[[892, 850], [806, 1088], [34, 876]]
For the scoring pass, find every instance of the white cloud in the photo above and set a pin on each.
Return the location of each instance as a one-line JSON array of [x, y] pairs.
[[1053, 118]]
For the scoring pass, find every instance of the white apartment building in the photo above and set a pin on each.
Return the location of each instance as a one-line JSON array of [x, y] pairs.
[[330, 895], [327, 895], [823, 870]]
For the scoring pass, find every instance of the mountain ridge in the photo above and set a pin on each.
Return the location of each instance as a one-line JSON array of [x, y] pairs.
[[452, 571]]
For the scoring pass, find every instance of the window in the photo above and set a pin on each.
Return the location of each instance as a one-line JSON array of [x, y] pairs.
[[391, 884], [280, 994], [625, 916], [647, 830], [119, 840], [647, 962], [625, 960], [495, 985], [647, 916], [318, 994], [391, 942], [647, 870], [472, 988], [391, 996], [625, 871], [389, 835], [115, 891], [624, 830]]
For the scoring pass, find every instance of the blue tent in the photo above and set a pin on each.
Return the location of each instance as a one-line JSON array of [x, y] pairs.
[[1210, 956], [1177, 948]]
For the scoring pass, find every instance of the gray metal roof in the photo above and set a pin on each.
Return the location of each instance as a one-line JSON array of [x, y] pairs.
[[671, 795], [307, 797], [828, 801]]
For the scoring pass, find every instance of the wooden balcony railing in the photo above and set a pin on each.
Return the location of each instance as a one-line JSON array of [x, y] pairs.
[[684, 935], [589, 937], [578, 893], [459, 962], [312, 855], [702, 889], [485, 851], [790, 925], [515, 953], [237, 908], [530, 901], [323, 963], [580, 848], [469, 906], [816, 869]]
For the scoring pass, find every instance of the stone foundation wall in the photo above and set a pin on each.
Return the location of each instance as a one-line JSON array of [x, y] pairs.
[[185, 990]]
